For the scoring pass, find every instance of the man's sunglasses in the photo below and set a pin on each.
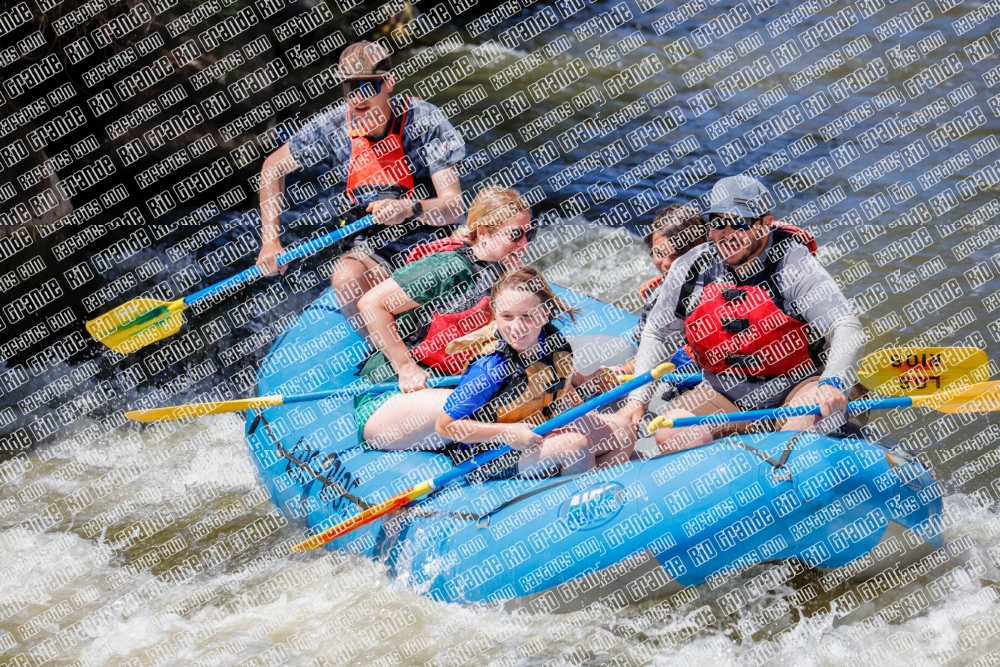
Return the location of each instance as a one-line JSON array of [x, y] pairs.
[[718, 222], [515, 234], [366, 88]]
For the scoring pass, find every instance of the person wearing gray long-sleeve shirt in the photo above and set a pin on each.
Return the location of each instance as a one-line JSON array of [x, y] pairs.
[[767, 322]]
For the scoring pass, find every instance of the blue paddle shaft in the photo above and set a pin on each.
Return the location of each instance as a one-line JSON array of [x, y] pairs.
[[304, 250], [791, 411], [356, 390], [681, 377], [560, 420]]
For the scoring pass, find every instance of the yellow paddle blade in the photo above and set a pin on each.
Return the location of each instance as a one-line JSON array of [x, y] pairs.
[[173, 412], [976, 398], [922, 371], [136, 324]]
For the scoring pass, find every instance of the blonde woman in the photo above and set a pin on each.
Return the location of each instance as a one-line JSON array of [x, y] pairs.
[[424, 306]]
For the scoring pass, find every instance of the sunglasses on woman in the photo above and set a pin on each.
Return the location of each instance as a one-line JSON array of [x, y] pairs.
[[717, 222], [366, 88], [515, 234]]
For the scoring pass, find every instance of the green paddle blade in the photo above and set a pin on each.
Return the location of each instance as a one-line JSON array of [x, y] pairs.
[[922, 371], [136, 324]]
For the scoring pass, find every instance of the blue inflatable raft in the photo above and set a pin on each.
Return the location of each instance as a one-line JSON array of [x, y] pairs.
[[645, 529]]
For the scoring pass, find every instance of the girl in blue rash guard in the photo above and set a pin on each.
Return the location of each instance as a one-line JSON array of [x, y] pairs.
[[527, 378]]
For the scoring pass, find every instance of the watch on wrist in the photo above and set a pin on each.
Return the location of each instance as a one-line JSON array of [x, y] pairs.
[[833, 381], [417, 208]]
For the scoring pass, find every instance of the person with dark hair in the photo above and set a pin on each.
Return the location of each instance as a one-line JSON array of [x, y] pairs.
[[397, 158], [524, 378], [675, 230], [764, 319]]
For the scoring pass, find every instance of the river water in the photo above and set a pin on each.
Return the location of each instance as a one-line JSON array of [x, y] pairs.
[[77, 588]]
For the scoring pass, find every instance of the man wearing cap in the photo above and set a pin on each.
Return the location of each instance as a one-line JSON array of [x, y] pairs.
[[397, 158], [764, 319]]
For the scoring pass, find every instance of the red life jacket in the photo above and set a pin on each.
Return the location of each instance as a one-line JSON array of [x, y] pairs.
[[799, 234], [381, 163], [457, 318], [742, 329]]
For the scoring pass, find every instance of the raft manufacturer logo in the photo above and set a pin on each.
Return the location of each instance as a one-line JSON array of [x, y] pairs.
[[594, 506]]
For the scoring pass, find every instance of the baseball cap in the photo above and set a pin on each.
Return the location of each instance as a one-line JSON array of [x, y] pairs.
[[363, 60], [740, 195]]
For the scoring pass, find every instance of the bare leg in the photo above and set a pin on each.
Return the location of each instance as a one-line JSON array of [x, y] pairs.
[[702, 400], [407, 420], [679, 439], [353, 275], [608, 459], [797, 397], [591, 441], [619, 448], [567, 449]]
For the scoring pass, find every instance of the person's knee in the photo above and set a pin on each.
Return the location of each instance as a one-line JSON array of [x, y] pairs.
[[675, 440], [373, 275], [347, 278], [576, 459], [565, 449], [624, 437], [622, 430]]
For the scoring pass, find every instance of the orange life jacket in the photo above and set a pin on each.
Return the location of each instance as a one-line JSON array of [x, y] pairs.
[[528, 390], [382, 163], [649, 286]]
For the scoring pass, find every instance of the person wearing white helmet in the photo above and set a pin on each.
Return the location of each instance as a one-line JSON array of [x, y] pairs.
[[764, 319]]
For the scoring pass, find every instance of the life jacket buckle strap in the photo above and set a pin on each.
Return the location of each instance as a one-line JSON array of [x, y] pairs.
[[744, 361], [732, 294], [735, 324]]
